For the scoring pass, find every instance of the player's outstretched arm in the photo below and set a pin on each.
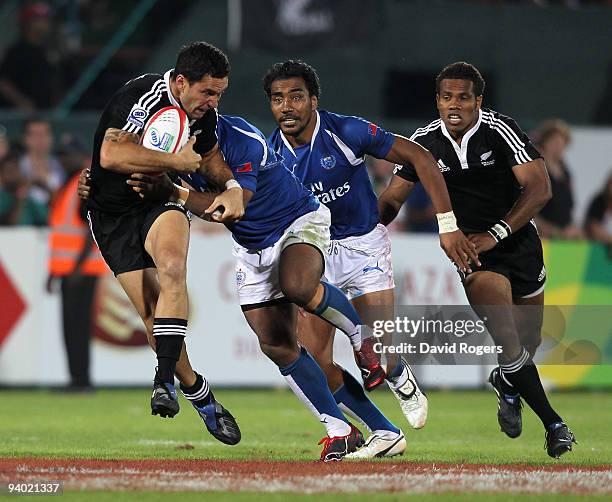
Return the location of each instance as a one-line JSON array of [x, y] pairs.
[[122, 153]]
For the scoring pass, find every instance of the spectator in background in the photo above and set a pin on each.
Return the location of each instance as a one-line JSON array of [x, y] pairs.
[[5, 146], [29, 72], [598, 221], [37, 163], [17, 207], [75, 262], [555, 220]]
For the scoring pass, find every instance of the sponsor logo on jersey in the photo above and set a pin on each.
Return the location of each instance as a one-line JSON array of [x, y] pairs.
[[137, 117], [329, 195], [240, 277], [161, 141], [372, 129], [328, 162], [443, 167], [245, 168], [484, 158]]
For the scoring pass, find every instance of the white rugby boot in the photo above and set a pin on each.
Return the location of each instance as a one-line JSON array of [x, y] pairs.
[[412, 399], [380, 444]]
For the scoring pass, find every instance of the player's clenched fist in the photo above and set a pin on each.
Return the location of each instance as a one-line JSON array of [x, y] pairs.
[[227, 206], [187, 160]]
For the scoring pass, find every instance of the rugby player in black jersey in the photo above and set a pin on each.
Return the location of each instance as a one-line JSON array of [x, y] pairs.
[[497, 183], [145, 243]]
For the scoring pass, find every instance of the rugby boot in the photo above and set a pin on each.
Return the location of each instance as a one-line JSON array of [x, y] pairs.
[[164, 401], [380, 444], [337, 447], [559, 440], [372, 372], [508, 407], [219, 422], [413, 401]]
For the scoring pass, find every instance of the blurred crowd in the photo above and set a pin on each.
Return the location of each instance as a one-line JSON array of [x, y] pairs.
[[33, 170]]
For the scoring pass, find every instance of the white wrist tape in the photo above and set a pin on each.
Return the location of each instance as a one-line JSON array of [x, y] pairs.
[[232, 184], [183, 194], [447, 222]]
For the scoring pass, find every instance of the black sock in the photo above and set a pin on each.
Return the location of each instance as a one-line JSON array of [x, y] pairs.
[[199, 393], [506, 387], [169, 335], [523, 375]]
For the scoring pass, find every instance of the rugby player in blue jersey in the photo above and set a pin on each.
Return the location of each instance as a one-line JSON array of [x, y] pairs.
[[279, 245], [326, 151]]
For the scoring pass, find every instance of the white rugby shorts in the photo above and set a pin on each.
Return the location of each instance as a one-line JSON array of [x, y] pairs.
[[362, 264], [257, 278]]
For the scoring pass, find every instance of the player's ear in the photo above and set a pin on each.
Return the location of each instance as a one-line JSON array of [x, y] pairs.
[[478, 102], [314, 102]]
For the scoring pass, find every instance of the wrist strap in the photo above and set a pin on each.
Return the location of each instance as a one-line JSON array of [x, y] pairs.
[[232, 184], [500, 231], [447, 222]]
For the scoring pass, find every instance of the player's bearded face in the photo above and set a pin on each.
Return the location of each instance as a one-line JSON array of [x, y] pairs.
[[198, 97], [292, 105], [458, 105]]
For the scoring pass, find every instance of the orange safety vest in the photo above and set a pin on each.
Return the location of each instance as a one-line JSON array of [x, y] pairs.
[[68, 235]]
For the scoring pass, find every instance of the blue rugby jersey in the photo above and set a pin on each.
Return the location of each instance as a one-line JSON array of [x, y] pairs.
[[333, 167], [278, 196]]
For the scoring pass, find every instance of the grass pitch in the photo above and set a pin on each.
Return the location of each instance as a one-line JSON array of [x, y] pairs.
[[116, 424]]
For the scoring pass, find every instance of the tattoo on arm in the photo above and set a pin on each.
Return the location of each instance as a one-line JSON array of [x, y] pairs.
[[120, 136]]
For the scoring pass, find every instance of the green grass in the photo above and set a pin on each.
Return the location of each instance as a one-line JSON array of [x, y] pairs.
[[117, 424]]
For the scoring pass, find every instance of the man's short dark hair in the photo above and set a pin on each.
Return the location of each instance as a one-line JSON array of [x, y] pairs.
[[291, 69], [198, 59], [462, 71]]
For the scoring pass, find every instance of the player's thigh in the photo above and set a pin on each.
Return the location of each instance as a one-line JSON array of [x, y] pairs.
[[317, 335], [490, 295], [300, 270], [142, 288], [168, 238]]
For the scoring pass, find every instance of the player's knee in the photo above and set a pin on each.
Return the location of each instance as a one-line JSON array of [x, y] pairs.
[[279, 354], [171, 268], [298, 290]]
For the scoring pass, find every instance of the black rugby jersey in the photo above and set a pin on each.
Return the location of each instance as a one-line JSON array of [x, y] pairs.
[[129, 109], [478, 174]]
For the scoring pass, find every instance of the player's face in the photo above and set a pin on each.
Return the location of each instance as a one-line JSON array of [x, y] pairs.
[[293, 107], [198, 97], [458, 105]]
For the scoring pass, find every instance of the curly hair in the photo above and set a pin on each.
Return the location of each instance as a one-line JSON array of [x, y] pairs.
[[290, 69], [462, 71]]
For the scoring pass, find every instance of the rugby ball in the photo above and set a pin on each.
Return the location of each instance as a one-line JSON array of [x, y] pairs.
[[167, 130]]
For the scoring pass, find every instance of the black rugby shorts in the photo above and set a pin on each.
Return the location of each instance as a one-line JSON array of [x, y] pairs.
[[121, 237]]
